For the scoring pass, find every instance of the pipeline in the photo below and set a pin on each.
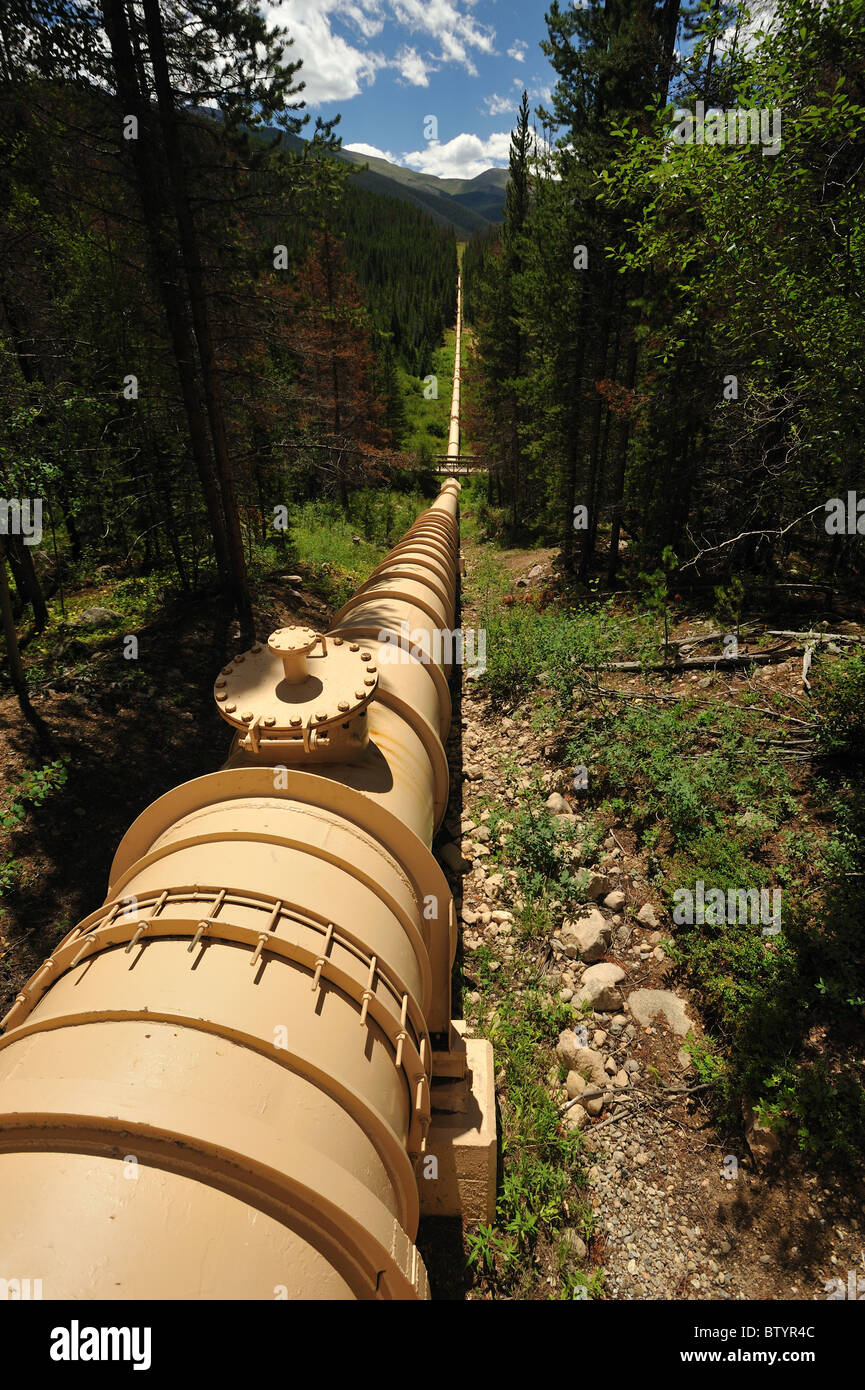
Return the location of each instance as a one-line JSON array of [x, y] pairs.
[[220, 1084], [454, 430]]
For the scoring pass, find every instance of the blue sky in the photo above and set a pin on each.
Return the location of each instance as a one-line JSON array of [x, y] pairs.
[[387, 65]]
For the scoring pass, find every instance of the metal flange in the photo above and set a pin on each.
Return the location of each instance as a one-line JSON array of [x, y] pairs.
[[302, 694]]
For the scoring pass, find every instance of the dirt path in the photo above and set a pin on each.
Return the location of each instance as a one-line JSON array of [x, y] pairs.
[[682, 1210]]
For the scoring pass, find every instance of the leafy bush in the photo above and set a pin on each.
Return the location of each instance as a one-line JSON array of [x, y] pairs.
[[839, 692]]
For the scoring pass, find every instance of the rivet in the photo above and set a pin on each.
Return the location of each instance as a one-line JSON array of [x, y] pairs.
[[343, 705], [359, 695], [222, 694], [355, 647], [229, 709], [269, 721], [337, 641], [246, 716], [370, 670], [295, 720], [256, 648], [227, 670], [321, 716], [370, 680], [366, 656], [220, 681], [239, 659]]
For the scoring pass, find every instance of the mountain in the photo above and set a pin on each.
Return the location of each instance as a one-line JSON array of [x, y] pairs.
[[467, 205]]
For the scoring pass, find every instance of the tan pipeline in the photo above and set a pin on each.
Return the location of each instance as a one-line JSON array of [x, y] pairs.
[[454, 430], [239, 1078]]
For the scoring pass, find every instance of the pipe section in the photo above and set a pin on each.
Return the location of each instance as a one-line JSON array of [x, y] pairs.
[[454, 431], [218, 1085]]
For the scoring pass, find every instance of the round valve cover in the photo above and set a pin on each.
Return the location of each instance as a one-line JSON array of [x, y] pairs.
[[332, 681]]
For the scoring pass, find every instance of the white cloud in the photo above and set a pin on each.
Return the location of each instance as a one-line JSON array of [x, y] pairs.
[[455, 29], [366, 16], [413, 70], [762, 19], [501, 106], [518, 51], [372, 152], [333, 69], [461, 158], [336, 68]]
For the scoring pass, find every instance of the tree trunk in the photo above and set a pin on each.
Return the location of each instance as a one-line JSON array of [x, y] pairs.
[[27, 580], [621, 465], [163, 254], [200, 315], [13, 654]]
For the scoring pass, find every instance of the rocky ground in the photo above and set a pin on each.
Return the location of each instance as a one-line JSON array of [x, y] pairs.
[[682, 1211]]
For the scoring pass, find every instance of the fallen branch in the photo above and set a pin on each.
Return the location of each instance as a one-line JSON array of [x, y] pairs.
[[665, 1093], [703, 663], [806, 665], [776, 533], [816, 637]]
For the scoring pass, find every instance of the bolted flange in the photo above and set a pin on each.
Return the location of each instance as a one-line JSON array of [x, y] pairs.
[[302, 695]]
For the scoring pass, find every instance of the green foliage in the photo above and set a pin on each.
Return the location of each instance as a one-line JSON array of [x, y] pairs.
[[696, 781], [406, 267], [10, 871], [323, 536], [427, 419], [541, 1163], [840, 704], [33, 790], [537, 845], [526, 647]]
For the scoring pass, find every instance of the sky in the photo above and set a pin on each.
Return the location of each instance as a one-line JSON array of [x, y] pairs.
[[388, 65]]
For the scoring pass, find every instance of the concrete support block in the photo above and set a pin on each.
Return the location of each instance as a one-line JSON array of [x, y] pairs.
[[462, 1140]]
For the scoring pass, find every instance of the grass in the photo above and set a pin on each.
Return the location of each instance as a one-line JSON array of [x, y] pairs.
[[321, 543], [526, 646], [429, 420], [542, 1189], [745, 792], [710, 801]]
